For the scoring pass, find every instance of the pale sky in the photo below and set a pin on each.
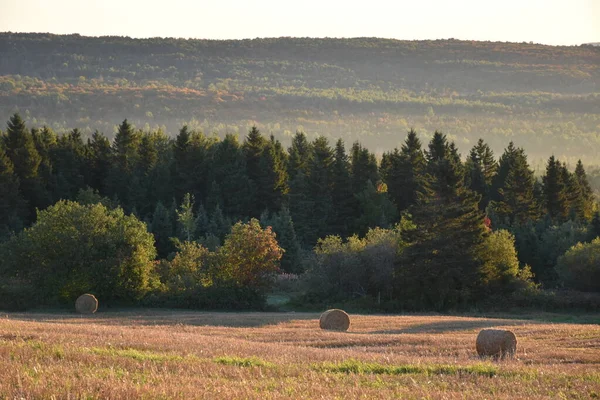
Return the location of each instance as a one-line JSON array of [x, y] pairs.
[[541, 21]]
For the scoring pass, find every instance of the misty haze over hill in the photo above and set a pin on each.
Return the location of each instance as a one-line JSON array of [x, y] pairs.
[[544, 98]]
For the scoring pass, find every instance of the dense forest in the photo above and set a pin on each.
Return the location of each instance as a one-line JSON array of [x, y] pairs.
[[201, 221], [546, 99]]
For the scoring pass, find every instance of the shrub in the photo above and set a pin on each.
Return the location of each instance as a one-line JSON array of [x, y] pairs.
[[579, 267]]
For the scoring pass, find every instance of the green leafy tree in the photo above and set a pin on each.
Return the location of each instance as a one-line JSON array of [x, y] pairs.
[[74, 249], [249, 256]]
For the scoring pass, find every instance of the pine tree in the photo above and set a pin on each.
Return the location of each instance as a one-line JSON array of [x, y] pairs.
[[283, 227], [20, 148], [219, 225], [513, 189], [126, 146], [444, 165], [345, 207], [586, 195], [162, 229], [555, 191], [403, 171], [481, 169], [320, 184], [271, 177], [68, 159], [441, 268], [228, 169], [376, 209], [300, 154], [301, 209], [12, 205], [363, 167], [99, 161], [186, 218]]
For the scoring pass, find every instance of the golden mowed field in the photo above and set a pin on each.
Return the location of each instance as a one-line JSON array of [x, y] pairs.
[[162, 354]]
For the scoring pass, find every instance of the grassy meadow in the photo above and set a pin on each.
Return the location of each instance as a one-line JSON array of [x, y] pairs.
[[179, 354]]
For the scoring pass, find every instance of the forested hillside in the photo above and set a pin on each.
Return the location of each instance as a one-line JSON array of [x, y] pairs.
[[544, 98]]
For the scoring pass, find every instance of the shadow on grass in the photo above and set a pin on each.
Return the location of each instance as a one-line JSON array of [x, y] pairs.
[[449, 325], [163, 317]]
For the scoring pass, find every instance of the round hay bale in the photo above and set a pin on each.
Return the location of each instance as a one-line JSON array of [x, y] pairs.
[[496, 343], [86, 304], [336, 320]]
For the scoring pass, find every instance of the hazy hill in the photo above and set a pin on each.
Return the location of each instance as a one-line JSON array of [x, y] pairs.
[[545, 98]]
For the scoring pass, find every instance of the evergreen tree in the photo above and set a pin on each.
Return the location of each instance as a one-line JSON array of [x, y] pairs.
[[12, 205], [320, 183], [300, 154], [442, 266], [219, 226], [481, 169], [444, 165], [403, 171], [345, 206], [585, 206], [513, 189], [162, 229], [186, 219], [301, 209], [20, 148], [68, 159], [99, 161], [283, 227], [555, 191], [376, 209], [363, 167], [228, 169]]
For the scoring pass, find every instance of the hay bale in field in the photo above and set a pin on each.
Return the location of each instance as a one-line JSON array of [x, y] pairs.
[[86, 304], [336, 320], [496, 343]]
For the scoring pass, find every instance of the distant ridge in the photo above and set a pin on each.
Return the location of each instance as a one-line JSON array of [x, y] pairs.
[[544, 98]]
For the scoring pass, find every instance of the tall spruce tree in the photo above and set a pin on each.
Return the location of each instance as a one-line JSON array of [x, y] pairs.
[[514, 189], [481, 169], [301, 204], [345, 207], [12, 205], [300, 154], [442, 266], [403, 171], [283, 226], [228, 170], [99, 161], [320, 184], [363, 166], [556, 196], [585, 201], [20, 148]]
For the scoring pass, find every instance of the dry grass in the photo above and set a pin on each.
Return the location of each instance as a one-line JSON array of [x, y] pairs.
[[161, 354]]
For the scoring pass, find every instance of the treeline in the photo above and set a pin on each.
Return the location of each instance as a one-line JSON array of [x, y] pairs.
[[422, 227]]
